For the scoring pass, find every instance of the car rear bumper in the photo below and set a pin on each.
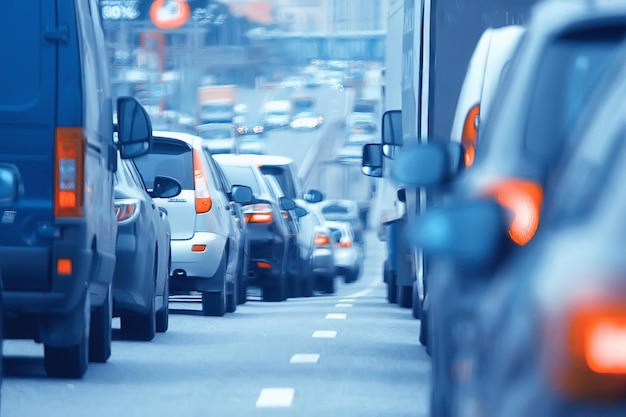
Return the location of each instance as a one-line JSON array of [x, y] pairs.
[[323, 262], [201, 263]]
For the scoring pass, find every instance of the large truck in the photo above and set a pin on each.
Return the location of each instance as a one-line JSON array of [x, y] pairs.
[[216, 103]]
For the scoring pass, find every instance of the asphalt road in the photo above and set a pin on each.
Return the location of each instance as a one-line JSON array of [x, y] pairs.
[[347, 354]]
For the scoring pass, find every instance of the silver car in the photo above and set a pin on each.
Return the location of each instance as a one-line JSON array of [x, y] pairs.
[[204, 234], [348, 254]]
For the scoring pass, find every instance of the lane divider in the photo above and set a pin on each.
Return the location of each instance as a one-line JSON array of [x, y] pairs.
[[275, 397], [305, 358], [325, 334], [336, 316], [343, 305]]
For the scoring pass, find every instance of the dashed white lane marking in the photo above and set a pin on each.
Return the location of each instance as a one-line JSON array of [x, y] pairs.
[[347, 300], [336, 316], [275, 397], [345, 305], [305, 358], [325, 334]]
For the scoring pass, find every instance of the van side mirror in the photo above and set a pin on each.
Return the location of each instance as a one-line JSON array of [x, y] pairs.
[[391, 132], [134, 129], [401, 195], [372, 161], [428, 164]]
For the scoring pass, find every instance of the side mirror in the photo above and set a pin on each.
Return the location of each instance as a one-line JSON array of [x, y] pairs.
[[134, 129], [300, 211], [391, 128], [430, 164], [313, 196], [372, 162], [9, 184], [287, 204], [472, 234], [165, 187], [241, 194]]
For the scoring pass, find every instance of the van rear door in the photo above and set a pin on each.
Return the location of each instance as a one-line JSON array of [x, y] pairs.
[[28, 76]]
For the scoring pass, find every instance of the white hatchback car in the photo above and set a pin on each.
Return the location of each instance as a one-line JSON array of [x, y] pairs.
[[349, 256], [205, 249], [219, 137]]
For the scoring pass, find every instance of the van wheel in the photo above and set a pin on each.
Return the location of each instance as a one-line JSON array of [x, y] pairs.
[[416, 308], [70, 361], [163, 315], [100, 331], [242, 289], [390, 279], [308, 285], [405, 295]]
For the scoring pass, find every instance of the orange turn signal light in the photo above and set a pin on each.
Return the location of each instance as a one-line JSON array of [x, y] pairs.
[[64, 266]]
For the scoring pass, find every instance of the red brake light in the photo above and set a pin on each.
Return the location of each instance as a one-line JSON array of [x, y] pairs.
[[345, 243], [68, 172], [203, 197], [258, 213], [586, 346], [321, 240], [524, 199]]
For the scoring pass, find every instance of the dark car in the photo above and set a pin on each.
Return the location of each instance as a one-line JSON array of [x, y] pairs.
[[141, 277], [271, 242], [529, 129], [300, 277]]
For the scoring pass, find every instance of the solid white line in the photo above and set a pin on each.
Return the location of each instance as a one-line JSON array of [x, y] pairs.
[[325, 334], [275, 397], [336, 316], [305, 358], [343, 305]]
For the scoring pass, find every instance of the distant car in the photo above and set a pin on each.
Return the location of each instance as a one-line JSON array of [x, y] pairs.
[[344, 211], [313, 228], [252, 125], [204, 246], [141, 277], [348, 255], [306, 120], [271, 245], [219, 137], [361, 128]]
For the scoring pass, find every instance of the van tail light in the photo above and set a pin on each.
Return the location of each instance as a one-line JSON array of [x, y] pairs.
[[586, 347], [345, 243], [285, 214], [524, 199], [127, 210], [69, 172], [258, 213], [321, 239], [201, 185], [470, 134]]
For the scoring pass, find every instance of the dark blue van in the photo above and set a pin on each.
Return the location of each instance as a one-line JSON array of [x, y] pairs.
[[57, 240]]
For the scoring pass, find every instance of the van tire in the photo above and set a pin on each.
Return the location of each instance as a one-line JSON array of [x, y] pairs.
[[231, 298], [328, 284], [70, 361], [389, 278], [405, 296], [416, 308], [100, 330]]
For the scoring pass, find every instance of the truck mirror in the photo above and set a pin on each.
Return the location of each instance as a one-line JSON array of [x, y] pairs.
[[372, 161], [134, 130], [9, 184], [401, 195], [428, 164], [391, 132]]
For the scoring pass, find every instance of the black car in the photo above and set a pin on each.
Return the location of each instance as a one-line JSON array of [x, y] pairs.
[[141, 277], [271, 242]]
